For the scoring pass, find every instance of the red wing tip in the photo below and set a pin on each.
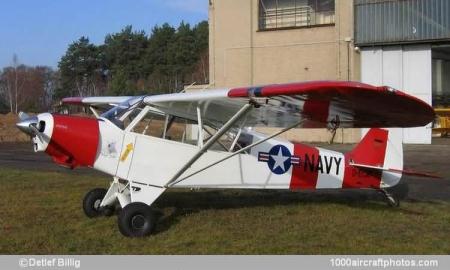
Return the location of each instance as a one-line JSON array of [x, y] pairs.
[[428, 107]]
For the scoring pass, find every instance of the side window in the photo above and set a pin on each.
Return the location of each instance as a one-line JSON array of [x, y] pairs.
[[129, 116], [177, 130], [168, 127], [152, 125]]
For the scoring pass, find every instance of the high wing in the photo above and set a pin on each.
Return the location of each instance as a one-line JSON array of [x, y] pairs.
[[316, 104], [94, 101]]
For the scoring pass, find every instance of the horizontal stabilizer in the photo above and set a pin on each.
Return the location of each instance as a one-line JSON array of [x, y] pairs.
[[404, 172]]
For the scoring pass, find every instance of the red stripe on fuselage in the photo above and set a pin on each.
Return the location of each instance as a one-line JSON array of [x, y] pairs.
[[304, 175]]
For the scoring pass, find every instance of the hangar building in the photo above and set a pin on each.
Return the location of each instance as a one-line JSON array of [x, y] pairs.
[[406, 44], [401, 43]]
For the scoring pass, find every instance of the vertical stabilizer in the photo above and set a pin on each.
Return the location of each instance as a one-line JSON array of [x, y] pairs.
[[383, 149]]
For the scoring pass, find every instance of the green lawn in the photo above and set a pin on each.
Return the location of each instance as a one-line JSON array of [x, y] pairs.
[[40, 213]]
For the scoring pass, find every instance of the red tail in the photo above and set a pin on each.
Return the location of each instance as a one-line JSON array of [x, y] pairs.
[[372, 148]]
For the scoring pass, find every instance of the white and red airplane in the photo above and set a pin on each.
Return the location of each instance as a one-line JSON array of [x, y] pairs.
[[208, 139]]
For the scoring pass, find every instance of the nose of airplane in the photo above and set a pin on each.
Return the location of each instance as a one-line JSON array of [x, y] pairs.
[[70, 140], [39, 127]]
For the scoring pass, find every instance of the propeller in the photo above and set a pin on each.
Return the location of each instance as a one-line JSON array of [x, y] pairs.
[[23, 116], [28, 124], [34, 127]]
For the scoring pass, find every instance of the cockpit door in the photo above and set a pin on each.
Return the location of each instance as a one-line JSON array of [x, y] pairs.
[[126, 156]]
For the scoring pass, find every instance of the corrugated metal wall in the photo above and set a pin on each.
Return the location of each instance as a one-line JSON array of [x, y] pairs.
[[401, 21]]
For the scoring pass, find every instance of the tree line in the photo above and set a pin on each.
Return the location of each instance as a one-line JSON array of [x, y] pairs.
[[24, 87], [127, 63]]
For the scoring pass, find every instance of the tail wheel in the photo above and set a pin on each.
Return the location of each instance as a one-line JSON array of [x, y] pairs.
[[391, 200], [136, 220], [92, 201]]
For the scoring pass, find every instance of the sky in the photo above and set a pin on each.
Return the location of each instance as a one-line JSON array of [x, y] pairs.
[[39, 31]]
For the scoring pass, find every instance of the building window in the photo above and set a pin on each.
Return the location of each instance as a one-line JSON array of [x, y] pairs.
[[276, 14]]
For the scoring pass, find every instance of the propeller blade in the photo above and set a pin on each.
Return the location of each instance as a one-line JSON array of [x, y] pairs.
[[34, 129], [23, 116]]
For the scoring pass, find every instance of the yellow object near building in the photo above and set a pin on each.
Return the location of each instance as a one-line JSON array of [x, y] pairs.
[[442, 124]]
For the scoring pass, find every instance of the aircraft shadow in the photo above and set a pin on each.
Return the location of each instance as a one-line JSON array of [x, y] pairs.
[[174, 205]]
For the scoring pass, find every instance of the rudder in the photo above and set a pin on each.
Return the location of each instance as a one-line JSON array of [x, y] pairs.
[[381, 149]]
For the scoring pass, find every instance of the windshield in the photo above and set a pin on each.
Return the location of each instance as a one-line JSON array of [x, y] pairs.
[[124, 111]]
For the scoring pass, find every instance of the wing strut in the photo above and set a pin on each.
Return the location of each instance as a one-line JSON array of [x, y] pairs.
[[200, 127], [243, 111], [94, 111], [211, 134], [174, 182]]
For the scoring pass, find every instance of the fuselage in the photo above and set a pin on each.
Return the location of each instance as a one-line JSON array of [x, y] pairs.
[[274, 164]]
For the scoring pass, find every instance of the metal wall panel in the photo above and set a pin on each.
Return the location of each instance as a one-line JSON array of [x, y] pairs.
[[407, 68], [401, 21]]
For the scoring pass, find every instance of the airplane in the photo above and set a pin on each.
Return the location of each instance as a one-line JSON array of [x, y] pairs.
[[215, 139]]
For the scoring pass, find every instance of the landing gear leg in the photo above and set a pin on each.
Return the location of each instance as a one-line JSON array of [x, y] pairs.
[[391, 200], [333, 127], [137, 218]]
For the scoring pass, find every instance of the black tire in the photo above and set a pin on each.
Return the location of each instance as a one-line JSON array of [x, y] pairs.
[[393, 202], [399, 191], [391, 199], [108, 211], [91, 202], [136, 220]]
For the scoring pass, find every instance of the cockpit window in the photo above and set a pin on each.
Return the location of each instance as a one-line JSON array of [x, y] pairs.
[[122, 114], [160, 125]]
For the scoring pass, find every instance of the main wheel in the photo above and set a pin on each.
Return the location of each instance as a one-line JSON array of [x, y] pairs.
[[92, 201], [136, 220]]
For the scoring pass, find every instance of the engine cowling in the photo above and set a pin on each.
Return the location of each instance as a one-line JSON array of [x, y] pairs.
[[74, 140], [71, 141]]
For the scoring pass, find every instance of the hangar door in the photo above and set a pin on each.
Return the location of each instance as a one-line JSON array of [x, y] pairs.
[[407, 68]]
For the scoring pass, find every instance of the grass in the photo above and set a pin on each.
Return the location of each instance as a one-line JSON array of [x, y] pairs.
[[40, 213]]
